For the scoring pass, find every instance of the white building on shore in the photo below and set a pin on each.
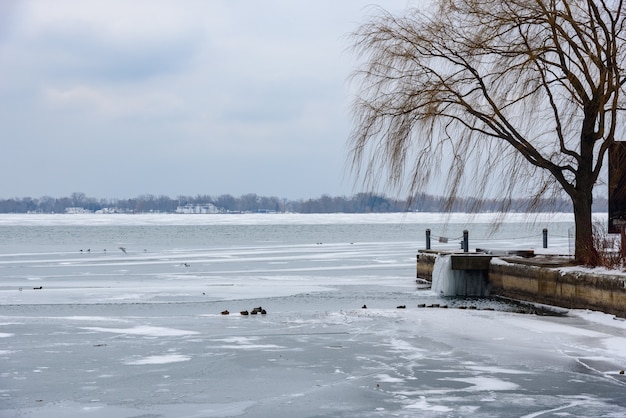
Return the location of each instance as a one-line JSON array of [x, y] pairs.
[[198, 208], [76, 210]]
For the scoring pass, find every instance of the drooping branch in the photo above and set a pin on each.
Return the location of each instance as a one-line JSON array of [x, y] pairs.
[[531, 89], [424, 69]]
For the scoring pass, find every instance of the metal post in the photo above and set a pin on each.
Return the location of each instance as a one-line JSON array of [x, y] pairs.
[[465, 241], [545, 237], [428, 239], [623, 241]]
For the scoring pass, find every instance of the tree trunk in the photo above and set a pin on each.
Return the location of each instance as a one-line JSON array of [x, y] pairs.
[[582, 196], [585, 252]]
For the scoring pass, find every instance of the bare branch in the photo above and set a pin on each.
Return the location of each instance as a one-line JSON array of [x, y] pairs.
[[527, 88]]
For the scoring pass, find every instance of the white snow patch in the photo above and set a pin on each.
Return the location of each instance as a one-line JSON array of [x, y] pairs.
[[496, 370], [253, 347], [166, 358], [409, 351], [93, 318], [423, 405], [616, 346], [144, 330], [385, 378], [237, 340], [546, 327], [246, 343], [5, 334], [600, 318], [593, 270], [484, 383]]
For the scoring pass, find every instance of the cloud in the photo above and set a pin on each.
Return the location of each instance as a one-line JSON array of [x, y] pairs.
[[81, 54], [84, 41], [118, 98], [112, 102]]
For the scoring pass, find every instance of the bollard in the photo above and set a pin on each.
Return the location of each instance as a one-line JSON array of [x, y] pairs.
[[545, 237], [428, 239], [465, 241], [623, 241]]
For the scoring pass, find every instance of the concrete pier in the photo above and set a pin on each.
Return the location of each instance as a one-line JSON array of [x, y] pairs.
[[469, 261], [542, 279]]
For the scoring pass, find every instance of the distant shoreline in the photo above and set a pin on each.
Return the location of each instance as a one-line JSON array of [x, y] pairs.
[[79, 203]]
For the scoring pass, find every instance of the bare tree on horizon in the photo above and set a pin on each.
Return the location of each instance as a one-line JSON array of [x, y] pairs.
[[528, 92]]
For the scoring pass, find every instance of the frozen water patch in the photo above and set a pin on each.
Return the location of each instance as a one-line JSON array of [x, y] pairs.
[[315, 354], [496, 370], [145, 330], [406, 350], [164, 359], [583, 401], [93, 318], [484, 383], [102, 410], [385, 378], [275, 219], [423, 405], [246, 343], [553, 328], [601, 318]]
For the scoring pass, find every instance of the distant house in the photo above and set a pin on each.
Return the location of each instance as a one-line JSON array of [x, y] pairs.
[[198, 208], [109, 210], [75, 210]]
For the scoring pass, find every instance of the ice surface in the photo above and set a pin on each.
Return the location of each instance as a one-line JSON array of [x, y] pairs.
[[142, 334], [281, 219], [144, 330], [163, 359]]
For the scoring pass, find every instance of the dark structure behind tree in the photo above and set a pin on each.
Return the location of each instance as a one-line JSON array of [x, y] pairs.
[[617, 187]]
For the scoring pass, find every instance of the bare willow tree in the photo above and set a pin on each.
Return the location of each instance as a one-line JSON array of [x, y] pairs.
[[526, 92]]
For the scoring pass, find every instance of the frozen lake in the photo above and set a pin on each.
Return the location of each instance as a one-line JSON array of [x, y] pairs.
[[89, 330]]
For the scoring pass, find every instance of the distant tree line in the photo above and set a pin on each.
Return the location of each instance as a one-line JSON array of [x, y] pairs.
[[358, 203]]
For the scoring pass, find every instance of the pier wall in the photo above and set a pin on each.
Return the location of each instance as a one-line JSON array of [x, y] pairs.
[[547, 284]]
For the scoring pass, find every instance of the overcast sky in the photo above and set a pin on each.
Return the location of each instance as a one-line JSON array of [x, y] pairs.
[[120, 98]]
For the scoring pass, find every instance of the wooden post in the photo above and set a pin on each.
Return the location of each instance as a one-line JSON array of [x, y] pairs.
[[428, 239], [545, 237], [465, 241]]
